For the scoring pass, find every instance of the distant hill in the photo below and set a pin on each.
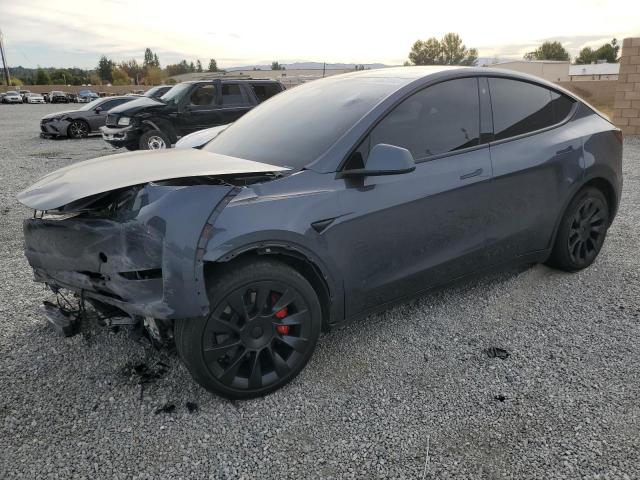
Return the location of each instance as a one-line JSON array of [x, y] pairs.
[[309, 66]]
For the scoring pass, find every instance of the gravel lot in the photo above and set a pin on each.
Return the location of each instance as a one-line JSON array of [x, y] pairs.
[[410, 393]]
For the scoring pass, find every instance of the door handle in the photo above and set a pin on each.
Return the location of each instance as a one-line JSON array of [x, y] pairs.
[[471, 174]]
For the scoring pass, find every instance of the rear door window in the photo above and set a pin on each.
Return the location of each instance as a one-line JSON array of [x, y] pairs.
[[521, 107], [203, 95], [263, 91], [439, 119], [233, 94]]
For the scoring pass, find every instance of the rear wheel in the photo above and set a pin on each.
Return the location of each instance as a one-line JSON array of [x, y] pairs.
[[582, 231], [154, 140], [78, 129], [264, 324]]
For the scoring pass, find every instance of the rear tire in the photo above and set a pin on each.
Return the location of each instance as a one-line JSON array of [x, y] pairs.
[[263, 327], [582, 231], [154, 140]]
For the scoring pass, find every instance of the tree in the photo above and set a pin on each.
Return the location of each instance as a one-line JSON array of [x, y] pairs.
[[120, 77], [148, 58], [178, 68], [454, 52], [607, 52], [105, 68], [94, 79], [448, 51], [276, 66], [213, 66], [198, 66], [154, 76], [133, 69], [548, 51], [156, 61], [42, 77], [585, 56]]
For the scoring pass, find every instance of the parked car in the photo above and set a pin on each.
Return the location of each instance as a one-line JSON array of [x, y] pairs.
[[200, 138], [81, 122], [46, 97], [72, 97], [58, 97], [150, 123], [86, 96], [33, 98], [330, 201], [12, 97], [156, 92], [23, 94]]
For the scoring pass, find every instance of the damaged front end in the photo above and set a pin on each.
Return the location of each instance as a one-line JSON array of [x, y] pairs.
[[127, 232], [133, 249]]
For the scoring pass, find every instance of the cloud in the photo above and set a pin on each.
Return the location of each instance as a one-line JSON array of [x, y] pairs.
[[77, 32]]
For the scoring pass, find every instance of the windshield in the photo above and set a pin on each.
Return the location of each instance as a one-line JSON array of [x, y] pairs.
[[176, 93], [152, 91], [91, 105], [295, 127], [12, 92]]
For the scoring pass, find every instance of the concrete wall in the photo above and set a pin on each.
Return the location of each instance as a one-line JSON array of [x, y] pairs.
[[589, 78], [597, 92], [551, 71], [627, 101]]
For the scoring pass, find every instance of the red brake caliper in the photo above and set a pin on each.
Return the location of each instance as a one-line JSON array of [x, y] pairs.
[[280, 314]]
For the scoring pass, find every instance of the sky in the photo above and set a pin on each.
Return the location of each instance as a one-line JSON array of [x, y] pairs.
[[76, 33]]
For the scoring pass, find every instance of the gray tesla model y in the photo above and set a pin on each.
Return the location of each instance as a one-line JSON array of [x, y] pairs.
[[326, 202]]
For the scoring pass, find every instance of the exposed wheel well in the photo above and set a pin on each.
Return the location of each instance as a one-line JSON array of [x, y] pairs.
[[295, 260], [607, 189]]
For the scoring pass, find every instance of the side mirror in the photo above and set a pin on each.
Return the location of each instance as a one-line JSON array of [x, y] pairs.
[[97, 109], [384, 160]]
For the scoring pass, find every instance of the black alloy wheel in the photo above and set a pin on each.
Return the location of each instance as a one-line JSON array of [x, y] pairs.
[[261, 332], [78, 129], [587, 230], [582, 231]]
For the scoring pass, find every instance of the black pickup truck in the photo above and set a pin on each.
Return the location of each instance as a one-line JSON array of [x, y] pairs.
[[155, 123]]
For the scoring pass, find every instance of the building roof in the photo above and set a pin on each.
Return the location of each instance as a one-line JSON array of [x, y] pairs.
[[501, 62], [595, 69]]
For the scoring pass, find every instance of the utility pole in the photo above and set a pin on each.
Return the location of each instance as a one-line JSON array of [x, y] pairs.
[[324, 66], [4, 61]]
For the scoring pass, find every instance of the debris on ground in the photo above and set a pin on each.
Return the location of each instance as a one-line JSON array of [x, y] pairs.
[[166, 408], [144, 372], [496, 352]]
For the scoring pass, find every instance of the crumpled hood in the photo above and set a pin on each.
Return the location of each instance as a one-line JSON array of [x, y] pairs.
[[112, 172], [59, 114], [134, 106]]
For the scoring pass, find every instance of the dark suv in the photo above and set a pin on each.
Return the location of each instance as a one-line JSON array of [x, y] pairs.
[[156, 123]]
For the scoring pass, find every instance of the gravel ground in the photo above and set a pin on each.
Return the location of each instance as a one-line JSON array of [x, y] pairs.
[[409, 393]]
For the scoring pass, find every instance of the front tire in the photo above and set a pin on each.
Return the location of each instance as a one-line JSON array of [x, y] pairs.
[[154, 140], [78, 129], [263, 327], [581, 232]]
